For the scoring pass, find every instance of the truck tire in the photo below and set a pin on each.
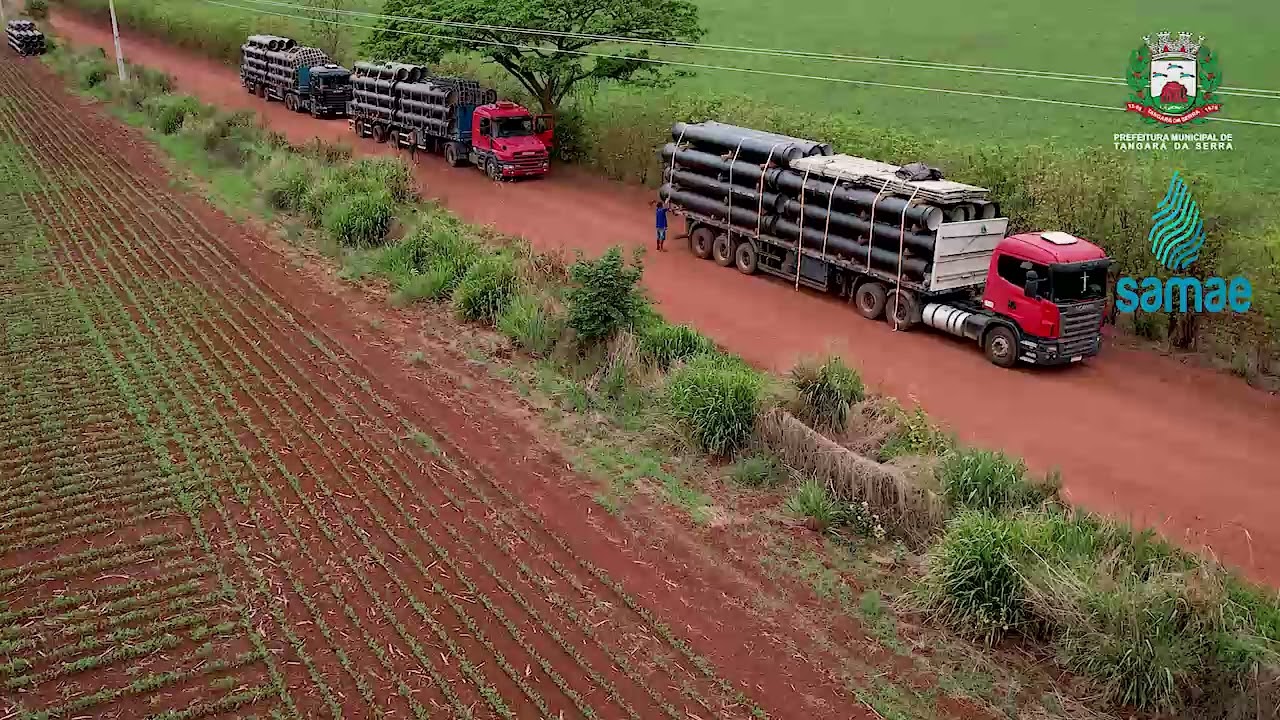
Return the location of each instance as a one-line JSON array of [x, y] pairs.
[[1000, 345], [454, 155], [745, 258], [869, 299], [492, 170], [901, 310], [700, 242], [381, 133], [262, 91], [291, 102], [722, 250]]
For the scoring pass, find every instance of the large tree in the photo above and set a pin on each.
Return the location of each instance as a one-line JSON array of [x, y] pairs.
[[549, 66]]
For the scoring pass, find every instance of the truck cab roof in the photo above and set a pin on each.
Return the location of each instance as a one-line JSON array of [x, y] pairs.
[[330, 69], [503, 108], [1053, 248]]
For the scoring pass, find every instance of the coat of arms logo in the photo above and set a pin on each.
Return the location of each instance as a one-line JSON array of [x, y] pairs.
[[1172, 80]]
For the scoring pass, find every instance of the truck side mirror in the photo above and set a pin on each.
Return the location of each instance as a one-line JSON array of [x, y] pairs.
[[1032, 286]]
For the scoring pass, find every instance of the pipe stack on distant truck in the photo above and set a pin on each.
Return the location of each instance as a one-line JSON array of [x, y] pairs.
[[304, 78], [24, 37], [457, 117], [926, 251]]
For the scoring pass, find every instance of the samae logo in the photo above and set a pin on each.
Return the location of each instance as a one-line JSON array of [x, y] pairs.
[[1176, 238]]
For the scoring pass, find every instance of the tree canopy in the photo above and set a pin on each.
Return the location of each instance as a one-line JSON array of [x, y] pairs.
[[548, 66]]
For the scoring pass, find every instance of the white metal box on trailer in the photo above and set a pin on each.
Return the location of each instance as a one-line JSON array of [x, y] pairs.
[[962, 253]]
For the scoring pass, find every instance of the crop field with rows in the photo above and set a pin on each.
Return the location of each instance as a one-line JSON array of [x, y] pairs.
[[209, 507]]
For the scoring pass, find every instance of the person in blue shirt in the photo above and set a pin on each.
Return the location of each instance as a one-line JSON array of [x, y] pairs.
[[660, 223]]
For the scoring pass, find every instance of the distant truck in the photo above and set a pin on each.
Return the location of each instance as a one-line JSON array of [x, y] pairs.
[[913, 250], [303, 78], [455, 117]]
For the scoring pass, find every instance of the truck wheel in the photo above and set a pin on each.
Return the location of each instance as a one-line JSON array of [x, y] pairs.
[[380, 133], [869, 298], [262, 91], [1001, 346], [453, 155], [745, 258], [701, 241], [722, 251], [900, 310], [291, 103], [492, 170]]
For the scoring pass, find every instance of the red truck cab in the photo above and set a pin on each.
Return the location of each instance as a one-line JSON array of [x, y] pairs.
[[507, 141], [1050, 288]]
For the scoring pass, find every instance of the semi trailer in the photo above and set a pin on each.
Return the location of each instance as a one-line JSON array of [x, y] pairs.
[[303, 78], [901, 244], [455, 117]]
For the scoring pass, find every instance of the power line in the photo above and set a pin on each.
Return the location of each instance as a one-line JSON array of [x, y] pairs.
[[702, 66], [799, 54]]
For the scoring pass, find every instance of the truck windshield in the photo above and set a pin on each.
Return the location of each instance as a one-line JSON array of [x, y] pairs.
[[1074, 284], [512, 126]]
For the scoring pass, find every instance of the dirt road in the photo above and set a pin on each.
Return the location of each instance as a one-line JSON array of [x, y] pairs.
[[1136, 435]]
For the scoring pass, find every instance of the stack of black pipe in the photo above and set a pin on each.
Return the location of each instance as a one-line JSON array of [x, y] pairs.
[[276, 60], [411, 97], [745, 177], [24, 38]]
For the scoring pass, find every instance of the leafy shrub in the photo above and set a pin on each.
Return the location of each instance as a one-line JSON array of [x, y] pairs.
[[92, 72], [811, 500], [530, 324], [486, 289], [37, 9], [916, 435], [758, 470], [717, 399], [432, 260], [664, 344], [326, 190], [604, 297], [286, 181], [326, 153], [974, 582], [167, 113], [360, 220], [225, 136], [827, 392], [986, 480]]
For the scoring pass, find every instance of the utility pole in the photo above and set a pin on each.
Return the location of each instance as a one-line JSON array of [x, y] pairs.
[[115, 34], [4, 19]]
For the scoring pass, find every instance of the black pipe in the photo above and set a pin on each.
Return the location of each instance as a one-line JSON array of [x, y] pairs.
[[730, 139], [743, 172], [711, 187], [885, 235], [884, 260], [810, 147], [744, 216], [888, 209]]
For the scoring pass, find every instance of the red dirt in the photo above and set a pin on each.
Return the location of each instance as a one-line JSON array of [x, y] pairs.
[[1139, 436], [491, 540]]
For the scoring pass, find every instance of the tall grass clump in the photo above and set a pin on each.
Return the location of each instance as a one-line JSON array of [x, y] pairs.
[[37, 9], [430, 262], [717, 399], [286, 180], [529, 323], [604, 296], [827, 392], [360, 220], [974, 581], [812, 501], [664, 344], [487, 289], [167, 113], [985, 480], [389, 175]]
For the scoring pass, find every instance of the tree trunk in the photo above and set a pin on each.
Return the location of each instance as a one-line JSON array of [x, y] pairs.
[[1182, 330]]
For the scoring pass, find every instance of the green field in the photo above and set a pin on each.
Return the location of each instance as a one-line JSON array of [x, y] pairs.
[[1090, 37]]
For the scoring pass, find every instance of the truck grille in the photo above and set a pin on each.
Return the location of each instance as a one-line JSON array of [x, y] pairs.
[[1081, 324], [530, 159]]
